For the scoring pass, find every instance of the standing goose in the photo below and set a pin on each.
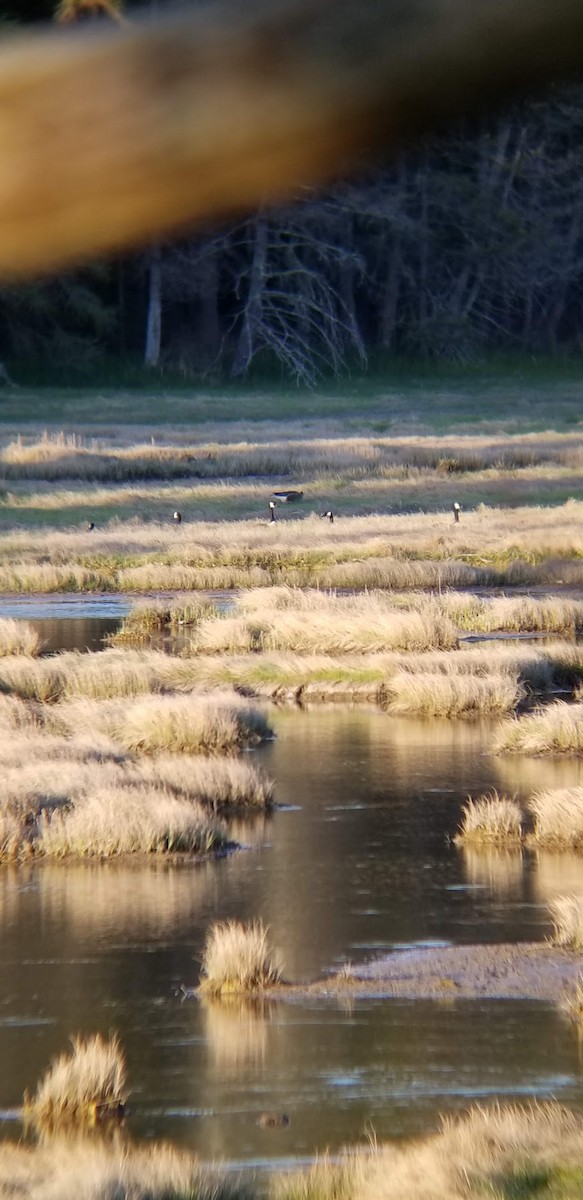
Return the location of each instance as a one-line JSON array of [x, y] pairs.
[[176, 517], [271, 510], [329, 514], [456, 512]]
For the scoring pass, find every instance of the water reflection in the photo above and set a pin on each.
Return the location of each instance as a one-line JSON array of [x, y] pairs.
[[521, 776], [557, 874], [236, 1030], [355, 862], [500, 871]]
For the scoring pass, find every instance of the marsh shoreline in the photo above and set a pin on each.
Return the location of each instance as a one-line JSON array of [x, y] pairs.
[[501, 971]]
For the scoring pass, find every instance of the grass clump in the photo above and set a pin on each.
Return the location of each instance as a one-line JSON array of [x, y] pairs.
[[81, 1088], [567, 917], [573, 1004], [490, 820], [502, 1151], [97, 1168], [558, 818], [192, 724], [18, 637], [81, 796], [146, 622], [313, 622], [238, 958], [110, 821], [195, 723], [556, 729], [454, 695]]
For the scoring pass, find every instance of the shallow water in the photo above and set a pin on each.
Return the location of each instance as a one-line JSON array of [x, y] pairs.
[[355, 863]]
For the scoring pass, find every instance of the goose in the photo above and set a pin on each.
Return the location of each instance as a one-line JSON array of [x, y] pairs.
[[177, 517], [272, 510], [90, 526], [287, 497], [456, 511], [328, 514], [273, 1120]]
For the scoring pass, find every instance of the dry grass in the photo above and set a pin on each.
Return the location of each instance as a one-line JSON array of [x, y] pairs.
[[146, 621], [81, 1088], [238, 958], [197, 723], [18, 637], [82, 796], [558, 818], [94, 1168], [132, 672], [567, 917], [504, 546], [510, 614], [490, 820], [110, 821], [573, 1004], [556, 729], [276, 620], [455, 695], [501, 1151]]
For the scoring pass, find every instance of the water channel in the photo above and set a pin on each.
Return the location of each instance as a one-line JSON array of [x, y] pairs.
[[356, 861]]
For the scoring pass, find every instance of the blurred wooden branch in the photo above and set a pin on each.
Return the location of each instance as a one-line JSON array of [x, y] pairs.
[[112, 137]]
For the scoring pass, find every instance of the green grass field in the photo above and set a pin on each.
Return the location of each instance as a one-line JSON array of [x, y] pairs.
[[512, 396]]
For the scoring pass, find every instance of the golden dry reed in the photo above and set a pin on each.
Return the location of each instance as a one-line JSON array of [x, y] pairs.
[[82, 1087], [440, 695], [567, 917], [495, 1151], [490, 820], [238, 957], [18, 637], [81, 795], [557, 818], [556, 729], [91, 1167]]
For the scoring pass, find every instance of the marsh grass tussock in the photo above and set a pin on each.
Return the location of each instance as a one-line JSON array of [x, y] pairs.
[[337, 624], [567, 917], [557, 818], [83, 797], [94, 1167], [191, 725], [238, 957], [455, 695], [147, 621], [573, 1003], [109, 822], [495, 1151], [555, 729], [195, 723], [81, 1087], [18, 637], [490, 820]]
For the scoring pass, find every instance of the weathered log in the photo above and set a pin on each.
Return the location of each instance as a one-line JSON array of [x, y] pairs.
[[111, 137]]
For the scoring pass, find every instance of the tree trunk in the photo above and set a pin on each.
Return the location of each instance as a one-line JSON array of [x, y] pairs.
[[252, 314], [154, 316], [209, 325]]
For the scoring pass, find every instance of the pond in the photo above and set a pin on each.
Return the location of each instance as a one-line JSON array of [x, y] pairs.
[[355, 862]]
